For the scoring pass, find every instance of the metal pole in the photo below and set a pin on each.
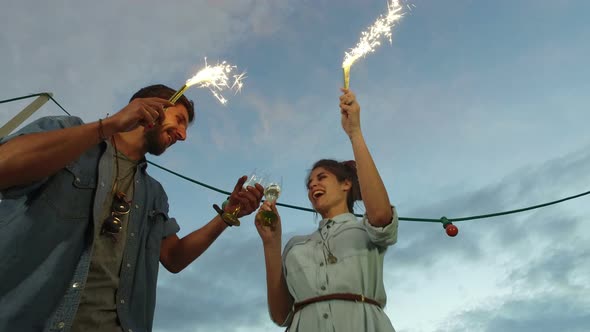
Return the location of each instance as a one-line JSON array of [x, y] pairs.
[[18, 119]]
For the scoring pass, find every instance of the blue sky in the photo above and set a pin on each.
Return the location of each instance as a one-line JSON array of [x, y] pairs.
[[476, 107]]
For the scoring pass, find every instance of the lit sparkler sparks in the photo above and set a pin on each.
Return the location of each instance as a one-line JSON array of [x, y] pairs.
[[370, 39], [216, 78]]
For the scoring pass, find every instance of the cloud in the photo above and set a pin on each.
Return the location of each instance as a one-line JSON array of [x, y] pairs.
[[543, 312], [459, 120], [517, 272], [131, 44], [509, 273], [225, 287]]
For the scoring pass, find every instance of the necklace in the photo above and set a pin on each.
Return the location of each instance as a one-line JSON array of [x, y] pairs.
[[114, 190], [121, 193], [331, 258], [117, 169]]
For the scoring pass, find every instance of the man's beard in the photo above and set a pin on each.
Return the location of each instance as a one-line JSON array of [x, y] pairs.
[[153, 141]]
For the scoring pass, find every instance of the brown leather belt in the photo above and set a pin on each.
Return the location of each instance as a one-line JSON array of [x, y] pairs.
[[338, 296]]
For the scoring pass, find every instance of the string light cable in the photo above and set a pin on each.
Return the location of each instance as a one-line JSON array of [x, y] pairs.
[[447, 223]]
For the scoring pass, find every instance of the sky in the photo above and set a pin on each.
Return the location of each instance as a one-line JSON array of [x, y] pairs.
[[475, 107]]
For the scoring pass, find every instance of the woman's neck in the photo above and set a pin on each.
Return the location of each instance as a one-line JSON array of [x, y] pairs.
[[335, 211]]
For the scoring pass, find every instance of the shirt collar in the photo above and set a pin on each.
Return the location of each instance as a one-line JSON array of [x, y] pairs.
[[142, 163], [341, 218]]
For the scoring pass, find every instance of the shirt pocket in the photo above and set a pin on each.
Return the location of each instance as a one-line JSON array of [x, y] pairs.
[[70, 192], [350, 241], [301, 256]]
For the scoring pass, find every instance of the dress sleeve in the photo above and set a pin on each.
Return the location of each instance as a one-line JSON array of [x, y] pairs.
[[383, 236]]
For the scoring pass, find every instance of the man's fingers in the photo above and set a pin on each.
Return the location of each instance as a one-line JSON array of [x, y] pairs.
[[158, 107], [257, 190], [240, 183], [146, 118], [249, 199], [160, 114]]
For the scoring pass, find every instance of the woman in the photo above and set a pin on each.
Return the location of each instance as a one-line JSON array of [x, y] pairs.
[[332, 279]]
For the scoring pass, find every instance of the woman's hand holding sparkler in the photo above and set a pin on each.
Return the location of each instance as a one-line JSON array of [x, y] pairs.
[[350, 110]]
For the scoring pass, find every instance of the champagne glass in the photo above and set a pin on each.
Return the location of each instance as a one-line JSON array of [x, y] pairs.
[[253, 179], [272, 191]]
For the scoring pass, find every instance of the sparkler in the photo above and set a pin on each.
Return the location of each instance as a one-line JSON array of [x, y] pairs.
[[215, 78], [370, 39]]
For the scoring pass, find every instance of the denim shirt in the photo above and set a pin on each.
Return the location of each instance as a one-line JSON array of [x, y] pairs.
[[46, 238]]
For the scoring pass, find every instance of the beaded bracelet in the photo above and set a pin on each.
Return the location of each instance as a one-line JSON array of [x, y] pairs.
[[100, 131]]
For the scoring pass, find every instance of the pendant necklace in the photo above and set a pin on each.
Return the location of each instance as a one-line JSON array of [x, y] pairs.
[[331, 258]]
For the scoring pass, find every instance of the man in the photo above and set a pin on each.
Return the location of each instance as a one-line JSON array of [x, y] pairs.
[[83, 227]]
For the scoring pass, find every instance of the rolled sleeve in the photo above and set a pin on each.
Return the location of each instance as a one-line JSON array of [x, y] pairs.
[[383, 236], [18, 191], [170, 227], [44, 124], [38, 126]]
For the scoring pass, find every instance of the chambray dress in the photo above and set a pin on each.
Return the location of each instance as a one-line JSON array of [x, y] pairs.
[[359, 248]]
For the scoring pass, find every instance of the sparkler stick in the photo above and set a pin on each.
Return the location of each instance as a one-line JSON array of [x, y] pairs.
[[370, 39], [215, 78], [178, 93], [346, 74]]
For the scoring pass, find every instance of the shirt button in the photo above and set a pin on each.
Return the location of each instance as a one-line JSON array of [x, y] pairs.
[[326, 316], [132, 234], [61, 325], [136, 206], [76, 285], [322, 264], [122, 301], [102, 184], [77, 180], [128, 265], [323, 287]]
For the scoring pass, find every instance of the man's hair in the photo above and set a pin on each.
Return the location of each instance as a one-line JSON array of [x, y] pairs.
[[345, 170], [165, 92]]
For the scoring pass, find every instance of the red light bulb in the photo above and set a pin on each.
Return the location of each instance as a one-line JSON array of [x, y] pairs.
[[452, 230]]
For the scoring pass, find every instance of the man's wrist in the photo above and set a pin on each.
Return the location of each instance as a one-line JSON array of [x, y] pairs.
[[220, 213], [229, 218], [224, 204], [109, 126]]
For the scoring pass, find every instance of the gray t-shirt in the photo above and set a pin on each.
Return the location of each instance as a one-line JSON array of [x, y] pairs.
[[98, 308]]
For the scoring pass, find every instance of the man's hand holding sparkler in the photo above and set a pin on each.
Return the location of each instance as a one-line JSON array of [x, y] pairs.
[[350, 110], [146, 112]]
